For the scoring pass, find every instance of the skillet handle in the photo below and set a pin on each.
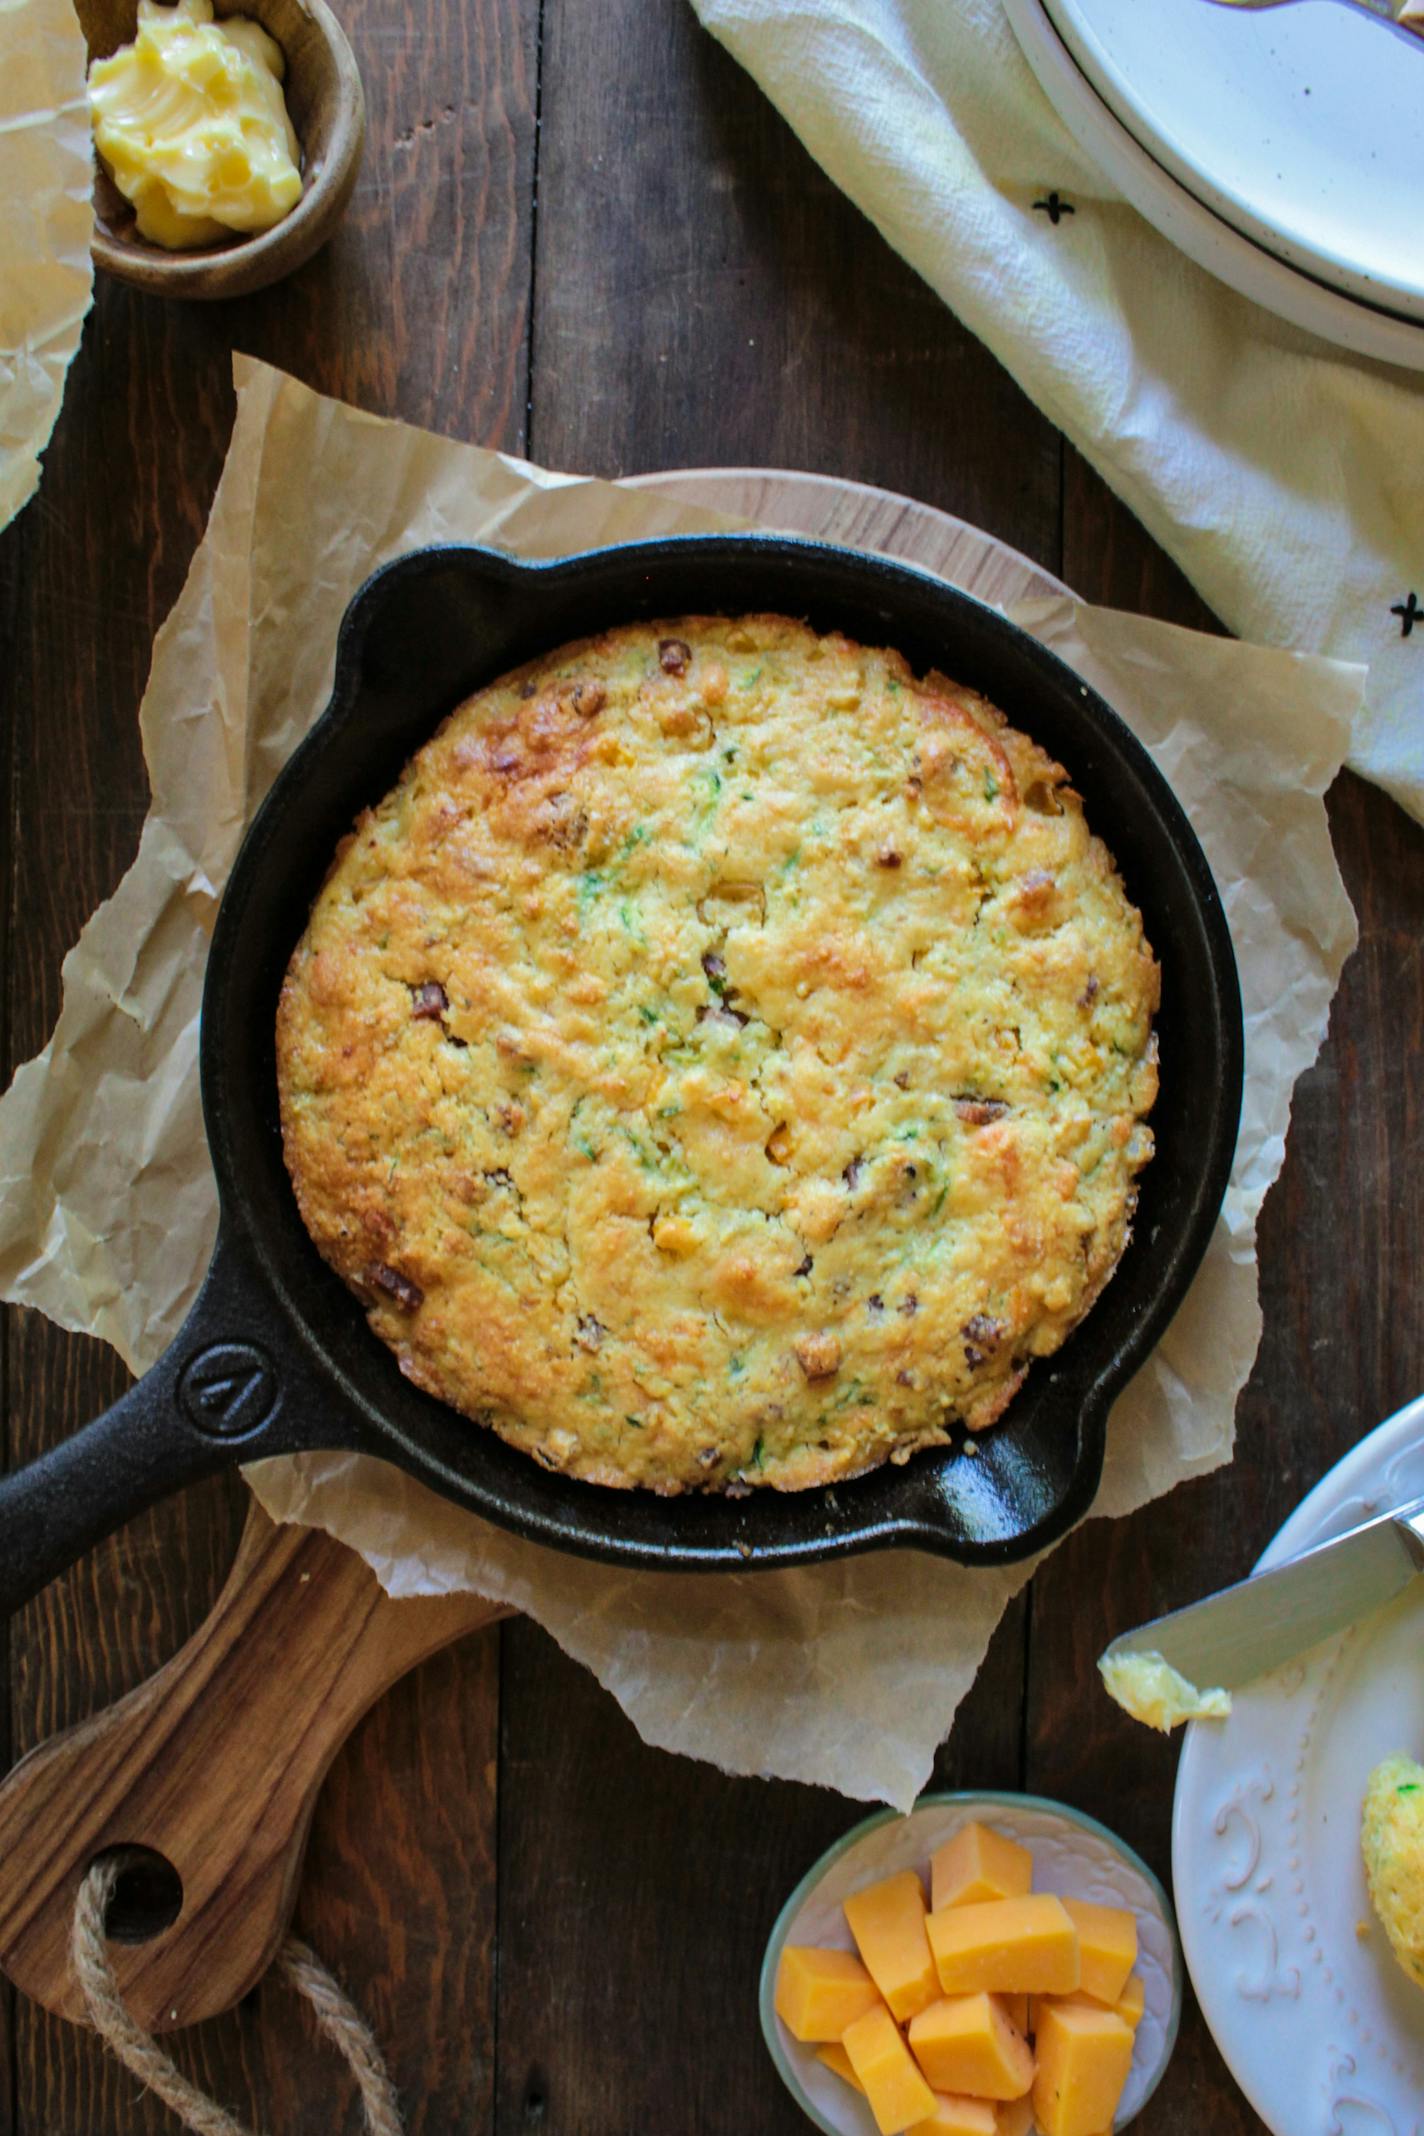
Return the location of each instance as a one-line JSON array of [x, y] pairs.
[[218, 1396]]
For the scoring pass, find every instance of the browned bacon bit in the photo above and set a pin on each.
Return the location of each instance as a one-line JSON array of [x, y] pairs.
[[852, 1172], [708, 1457], [984, 1336], [887, 857], [804, 1267], [908, 1305], [590, 1332], [819, 1356], [589, 698], [407, 1295], [673, 655], [978, 1112], [431, 1001], [1090, 992]]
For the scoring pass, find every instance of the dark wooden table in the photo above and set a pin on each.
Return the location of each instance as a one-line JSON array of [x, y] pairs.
[[583, 235]]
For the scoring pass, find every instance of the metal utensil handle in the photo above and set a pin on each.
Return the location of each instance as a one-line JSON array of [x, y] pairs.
[[220, 1394]]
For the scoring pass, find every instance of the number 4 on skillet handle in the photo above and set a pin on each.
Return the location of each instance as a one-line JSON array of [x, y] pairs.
[[217, 1397]]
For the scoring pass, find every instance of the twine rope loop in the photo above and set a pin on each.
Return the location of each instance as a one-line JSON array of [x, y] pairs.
[[337, 2020]]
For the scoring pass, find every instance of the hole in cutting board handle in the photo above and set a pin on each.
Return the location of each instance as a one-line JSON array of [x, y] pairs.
[[148, 1896]]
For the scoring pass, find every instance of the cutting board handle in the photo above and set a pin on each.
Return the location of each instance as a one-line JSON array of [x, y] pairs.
[[214, 1765]]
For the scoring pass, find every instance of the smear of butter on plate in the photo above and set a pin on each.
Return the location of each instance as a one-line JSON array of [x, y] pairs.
[[191, 121], [1152, 1691]]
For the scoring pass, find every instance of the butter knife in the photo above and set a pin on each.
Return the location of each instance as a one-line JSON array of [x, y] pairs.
[[1231, 1638]]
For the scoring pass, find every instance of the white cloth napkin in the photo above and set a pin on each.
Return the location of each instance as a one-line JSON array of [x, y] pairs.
[[1286, 478]]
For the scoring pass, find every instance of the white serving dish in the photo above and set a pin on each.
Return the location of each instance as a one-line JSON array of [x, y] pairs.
[[1072, 1855], [1192, 226], [1302, 126], [1319, 2027]]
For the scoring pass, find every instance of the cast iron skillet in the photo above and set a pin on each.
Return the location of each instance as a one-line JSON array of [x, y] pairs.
[[276, 1356]]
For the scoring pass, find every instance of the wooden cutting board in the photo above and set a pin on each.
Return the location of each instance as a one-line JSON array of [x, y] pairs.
[[214, 1764]]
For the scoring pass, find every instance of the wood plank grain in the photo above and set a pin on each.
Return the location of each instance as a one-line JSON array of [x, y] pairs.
[[704, 296], [419, 308], [1340, 1234]]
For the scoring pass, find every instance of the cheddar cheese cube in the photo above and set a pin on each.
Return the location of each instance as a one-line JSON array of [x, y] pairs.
[[895, 2091], [1107, 1943], [1130, 2004], [1009, 1946], [1084, 2056], [1014, 2117], [819, 1993], [964, 2043], [836, 2059], [958, 2117], [888, 1922], [978, 1864], [1016, 2010]]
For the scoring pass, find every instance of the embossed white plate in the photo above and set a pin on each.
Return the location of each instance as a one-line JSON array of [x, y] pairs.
[[1301, 126], [1072, 1855], [1319, 2028]]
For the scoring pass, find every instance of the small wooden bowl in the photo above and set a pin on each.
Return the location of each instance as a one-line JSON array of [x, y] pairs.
[[328, 110]]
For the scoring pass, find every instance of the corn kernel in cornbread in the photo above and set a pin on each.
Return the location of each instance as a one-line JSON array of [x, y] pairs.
[[819, 1993], [1084, 2056], [722, 1060], [1107, 1943], [964, 2043], [958, 2117], [1013, 2117], [888, 1922], [895, 2091], [977, 1864], [838, 2061], [1009, 1946]]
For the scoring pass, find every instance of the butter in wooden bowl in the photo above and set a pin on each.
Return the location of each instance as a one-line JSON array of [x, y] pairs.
[[193, 127]]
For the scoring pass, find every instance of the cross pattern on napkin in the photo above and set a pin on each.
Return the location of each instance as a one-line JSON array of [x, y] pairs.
[[1409, 610], [1055, 208]]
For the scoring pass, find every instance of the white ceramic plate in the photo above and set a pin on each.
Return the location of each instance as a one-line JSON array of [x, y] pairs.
[[1321, 2030], [1190, 225], [1302, 125], [1071, 1854]]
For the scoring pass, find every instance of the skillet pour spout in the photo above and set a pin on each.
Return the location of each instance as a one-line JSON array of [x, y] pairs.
[[276, 1356]]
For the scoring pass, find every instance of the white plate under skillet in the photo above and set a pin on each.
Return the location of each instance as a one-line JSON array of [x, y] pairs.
[[1319, 2027], [1073, 1855], [1192, 226], [1302, 125]]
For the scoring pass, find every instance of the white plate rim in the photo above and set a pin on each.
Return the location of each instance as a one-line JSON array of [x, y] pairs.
[[1397, 1434], [1189, 224], [990, 1799], [1321, 263]]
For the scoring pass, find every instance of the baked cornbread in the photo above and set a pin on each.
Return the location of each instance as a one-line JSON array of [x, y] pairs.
[[1392, 1842], [722, 1060]]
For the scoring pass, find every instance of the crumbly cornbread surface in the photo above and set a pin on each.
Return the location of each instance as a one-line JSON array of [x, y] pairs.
[[722, 1059], [1392, 1841]]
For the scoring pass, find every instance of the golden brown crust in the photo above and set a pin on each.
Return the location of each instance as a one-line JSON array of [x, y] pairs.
[[722, 1059]]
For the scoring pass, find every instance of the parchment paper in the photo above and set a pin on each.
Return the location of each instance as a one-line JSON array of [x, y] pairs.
[[845, 1674], [46, 279]]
